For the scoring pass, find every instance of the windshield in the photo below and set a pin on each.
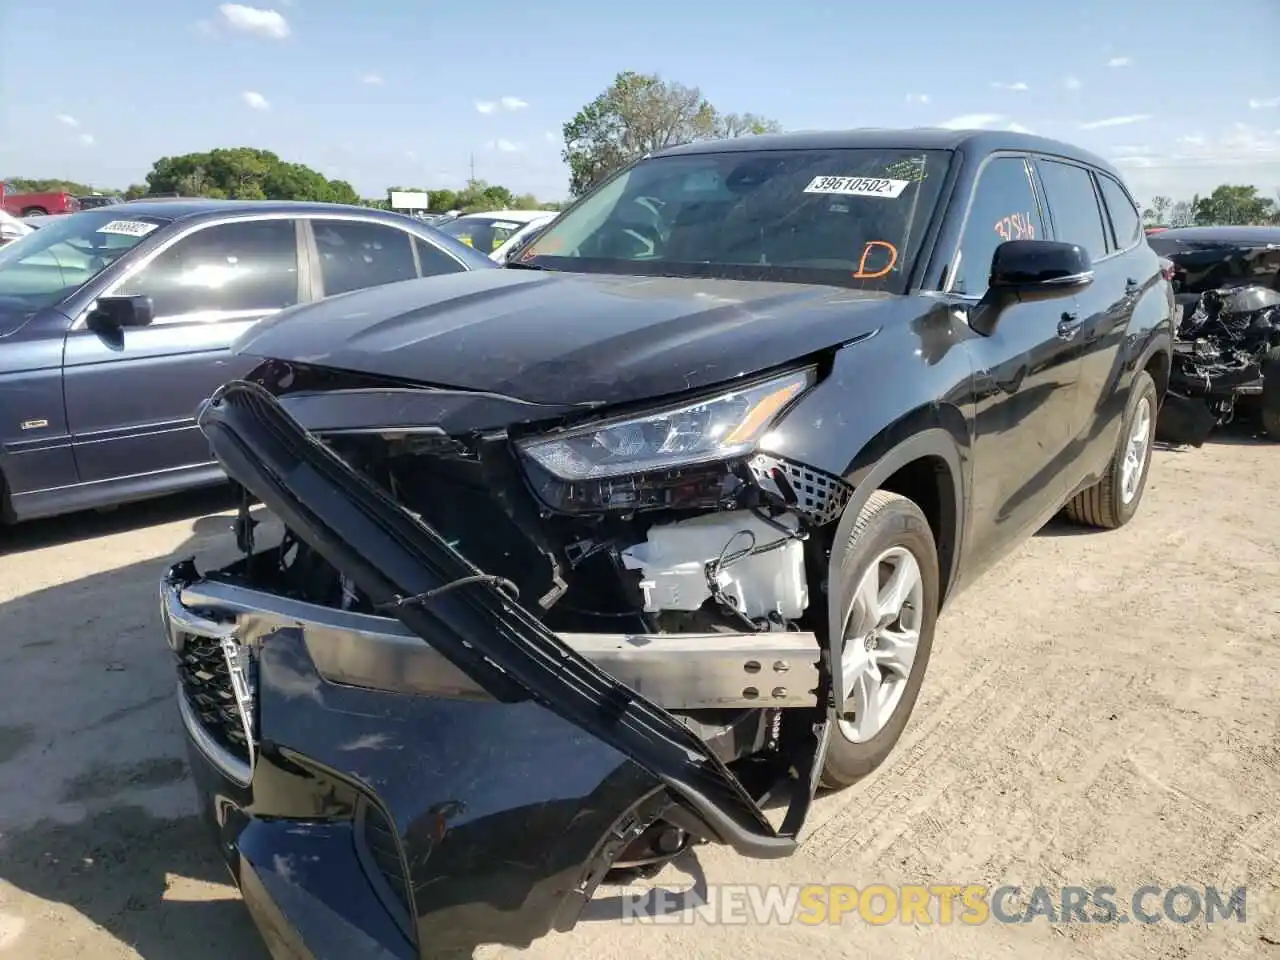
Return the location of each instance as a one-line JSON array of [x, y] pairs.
[[850, 217], [49, 264], [485, 234]]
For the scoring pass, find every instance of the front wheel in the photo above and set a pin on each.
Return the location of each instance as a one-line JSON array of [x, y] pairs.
[[1113, 501], [885, 579]]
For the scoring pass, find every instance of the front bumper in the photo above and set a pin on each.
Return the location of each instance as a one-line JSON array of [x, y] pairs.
[[473, 774]]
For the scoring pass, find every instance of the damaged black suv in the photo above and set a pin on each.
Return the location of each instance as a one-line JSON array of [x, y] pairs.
[[596, 555]]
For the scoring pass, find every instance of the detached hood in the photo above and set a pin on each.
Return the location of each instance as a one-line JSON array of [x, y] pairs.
[[568, 339]]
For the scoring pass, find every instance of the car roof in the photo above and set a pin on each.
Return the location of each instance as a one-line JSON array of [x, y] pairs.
[[1242, 234], [518, 215], [888, 138], [180, 208]]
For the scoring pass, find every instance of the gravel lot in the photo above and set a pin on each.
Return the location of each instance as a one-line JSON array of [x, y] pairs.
[[1102, 709]]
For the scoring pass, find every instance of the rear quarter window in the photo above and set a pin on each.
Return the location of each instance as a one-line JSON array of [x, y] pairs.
[[1125, 219]]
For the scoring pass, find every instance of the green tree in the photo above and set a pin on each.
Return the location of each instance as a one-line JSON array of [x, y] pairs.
[[1158, 211], [1233, 205], [55, 185], [640, 113], [479, 196], [245, 173], [442, 201], [526, 201]]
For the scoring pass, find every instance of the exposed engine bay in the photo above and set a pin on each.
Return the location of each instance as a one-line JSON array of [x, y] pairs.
[[1224, 348], [731, 547]]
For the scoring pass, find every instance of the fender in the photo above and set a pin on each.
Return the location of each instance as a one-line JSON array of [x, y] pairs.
[[930, 442]]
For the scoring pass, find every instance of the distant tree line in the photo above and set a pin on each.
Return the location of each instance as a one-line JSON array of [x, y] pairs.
[[636, 114], [1228, 204]]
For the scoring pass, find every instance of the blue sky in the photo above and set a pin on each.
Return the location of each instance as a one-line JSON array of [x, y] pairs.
[[1183, 94]]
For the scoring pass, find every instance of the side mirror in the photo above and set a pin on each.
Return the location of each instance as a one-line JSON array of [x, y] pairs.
[[1039, 269], [1026, 271], [118, 313]]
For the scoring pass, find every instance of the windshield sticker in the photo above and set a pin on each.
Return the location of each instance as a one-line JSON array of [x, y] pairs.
[[858, 186], [862, 273], [910, 169], [503, 225], [128, 228], [1016, 226]]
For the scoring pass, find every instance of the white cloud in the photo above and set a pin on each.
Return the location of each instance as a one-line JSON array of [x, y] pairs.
[[550, 137], [1122, 121], [1197, 163], [263, 23], [207, 28], [1072, 83], [917, 98], [1195, 140], [372, 79], [67, 120], [970, 121], [1267, 104], [505, 146], [87, 139], [1018, 85], [984, 121], [255, 100], [502, 103], [1120, 62]]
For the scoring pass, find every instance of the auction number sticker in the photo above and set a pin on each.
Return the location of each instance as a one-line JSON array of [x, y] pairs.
[[127, 228], [858, 186]]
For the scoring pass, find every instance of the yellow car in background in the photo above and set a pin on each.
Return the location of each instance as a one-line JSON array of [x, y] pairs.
[[497, 232]]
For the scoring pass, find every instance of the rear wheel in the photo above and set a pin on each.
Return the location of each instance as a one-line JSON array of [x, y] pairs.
[[1270, 412], [885, 580], [35, 212], [1113, 501]]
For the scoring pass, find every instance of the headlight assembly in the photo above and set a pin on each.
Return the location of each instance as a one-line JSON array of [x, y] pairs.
[[717, 428]]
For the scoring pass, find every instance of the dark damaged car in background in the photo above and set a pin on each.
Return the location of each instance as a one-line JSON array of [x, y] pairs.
[[1226, 356], [590, 558]]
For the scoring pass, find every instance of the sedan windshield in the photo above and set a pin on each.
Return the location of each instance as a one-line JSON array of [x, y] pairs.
[[49, 264], [485, 234], [851, 217]]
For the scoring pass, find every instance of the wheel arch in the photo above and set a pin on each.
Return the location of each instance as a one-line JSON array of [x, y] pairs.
[[927, 467]]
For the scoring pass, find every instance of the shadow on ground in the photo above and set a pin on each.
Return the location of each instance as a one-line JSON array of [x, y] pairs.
[[86, 525], [96, 806]]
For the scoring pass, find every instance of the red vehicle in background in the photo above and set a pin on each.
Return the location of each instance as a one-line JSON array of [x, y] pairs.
[[27, 204]]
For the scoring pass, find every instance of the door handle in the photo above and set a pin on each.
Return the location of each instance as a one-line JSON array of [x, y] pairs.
[[1069, 325]]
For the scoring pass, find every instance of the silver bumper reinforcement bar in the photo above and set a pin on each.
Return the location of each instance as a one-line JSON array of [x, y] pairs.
[[675, 671]]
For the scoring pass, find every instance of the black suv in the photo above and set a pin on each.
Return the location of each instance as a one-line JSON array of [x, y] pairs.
[[587, 557]]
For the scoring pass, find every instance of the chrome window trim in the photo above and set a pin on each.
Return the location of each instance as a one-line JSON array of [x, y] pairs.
[[79, 323]]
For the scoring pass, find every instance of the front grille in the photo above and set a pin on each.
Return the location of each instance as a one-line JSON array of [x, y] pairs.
[[379, 850], [206, 682]]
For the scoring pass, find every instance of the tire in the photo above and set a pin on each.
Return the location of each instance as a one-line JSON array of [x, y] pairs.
[[1270, 411], [892, 526], [35, 211], [1105, 504]]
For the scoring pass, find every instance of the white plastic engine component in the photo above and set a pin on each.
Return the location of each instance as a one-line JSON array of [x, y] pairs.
[[673, 565]]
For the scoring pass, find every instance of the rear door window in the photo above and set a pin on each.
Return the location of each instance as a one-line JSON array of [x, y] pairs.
[[432, 261], [1125, 219], [355, 255], [245, 265], [1004, 208], [1073, 205]]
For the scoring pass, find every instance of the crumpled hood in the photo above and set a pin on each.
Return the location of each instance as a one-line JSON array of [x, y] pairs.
[[561, 338]]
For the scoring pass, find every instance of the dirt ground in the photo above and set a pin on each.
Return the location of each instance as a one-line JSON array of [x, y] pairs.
[[1102, 709]]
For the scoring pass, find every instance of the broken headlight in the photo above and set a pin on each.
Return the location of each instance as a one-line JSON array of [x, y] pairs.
[[669, 457]]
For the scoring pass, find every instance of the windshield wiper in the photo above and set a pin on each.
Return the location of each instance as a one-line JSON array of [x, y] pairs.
[[517, 265]]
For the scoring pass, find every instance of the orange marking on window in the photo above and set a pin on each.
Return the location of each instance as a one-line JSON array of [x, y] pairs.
[[862, 273]]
